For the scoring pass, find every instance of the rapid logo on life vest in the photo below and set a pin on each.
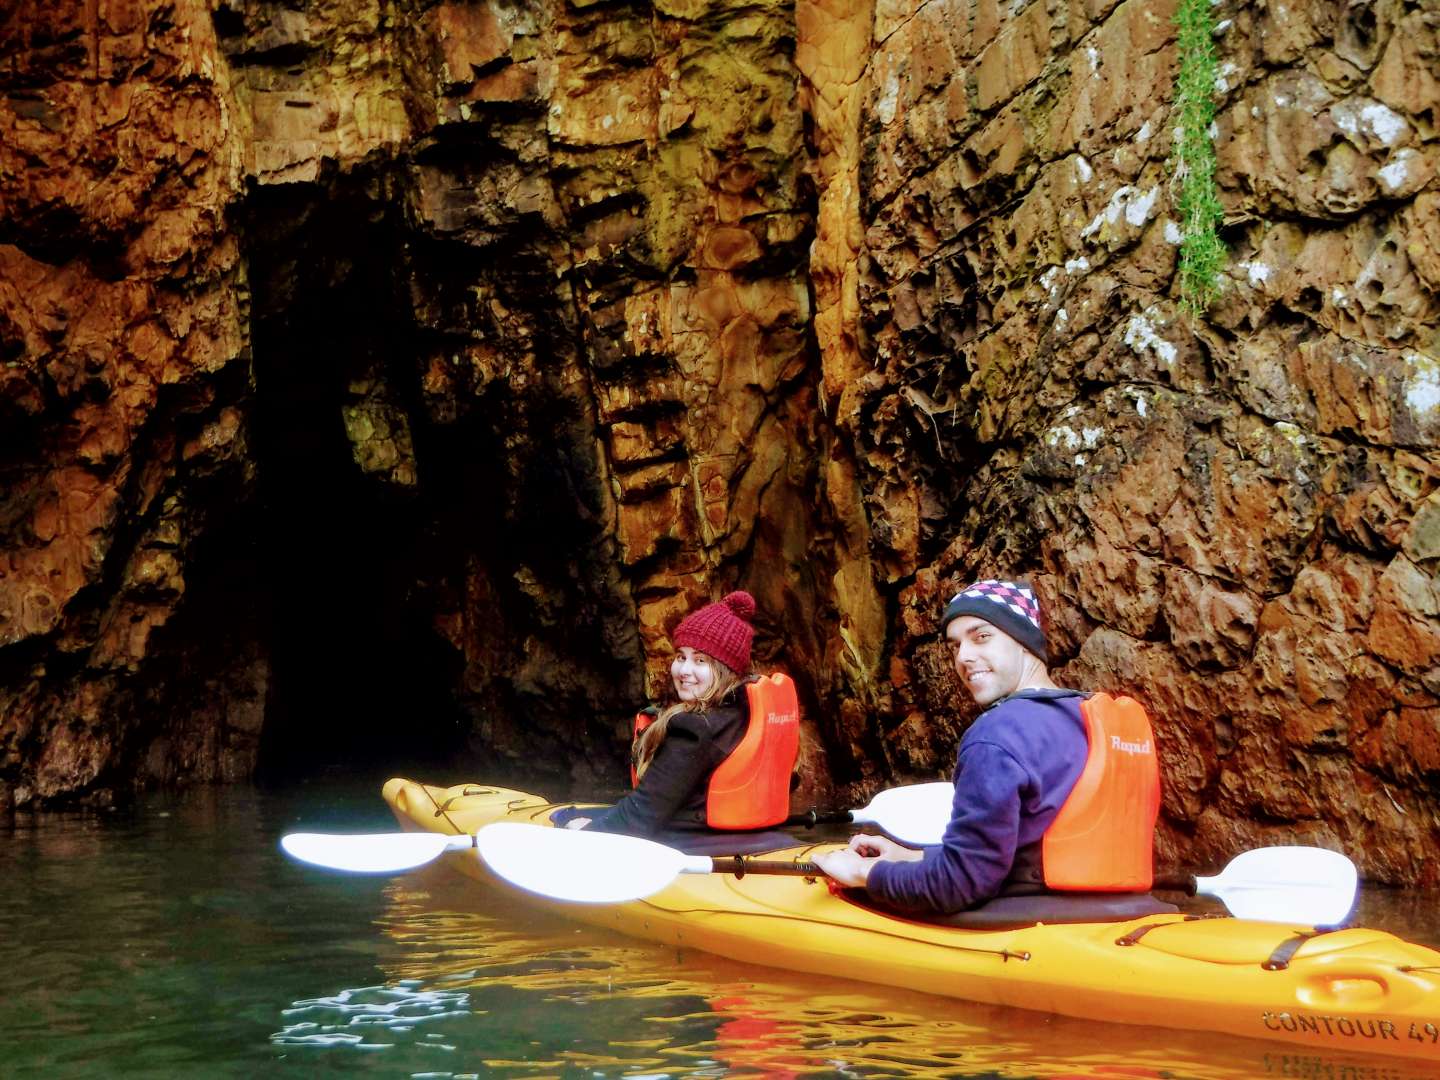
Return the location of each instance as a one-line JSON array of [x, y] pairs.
[[1117, 743], [1349, 1027]]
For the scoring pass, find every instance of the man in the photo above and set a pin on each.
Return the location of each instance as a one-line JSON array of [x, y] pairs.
[[1017, 764]]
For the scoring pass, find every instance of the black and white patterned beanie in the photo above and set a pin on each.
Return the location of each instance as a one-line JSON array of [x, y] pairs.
[[1009, 605]]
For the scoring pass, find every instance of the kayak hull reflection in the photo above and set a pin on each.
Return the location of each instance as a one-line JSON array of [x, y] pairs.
[[1353, 990]]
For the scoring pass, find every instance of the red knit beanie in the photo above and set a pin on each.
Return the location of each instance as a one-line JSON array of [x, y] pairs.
[[722, 630]]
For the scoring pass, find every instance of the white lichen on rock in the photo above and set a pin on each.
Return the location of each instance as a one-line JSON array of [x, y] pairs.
[[1397, 170], [1362, 117], [1137, 210], [1422, 388], [1127, 202], [888, 99], [1257, 273], [1064, 434], [1140, 336]]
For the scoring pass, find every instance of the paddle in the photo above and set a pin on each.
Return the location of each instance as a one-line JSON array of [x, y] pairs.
[[1284, 884], [1299, 885], [915, 814], [372, 853], [603, 868]]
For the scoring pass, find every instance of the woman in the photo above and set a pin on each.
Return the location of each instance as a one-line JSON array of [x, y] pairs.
[[675, 755]]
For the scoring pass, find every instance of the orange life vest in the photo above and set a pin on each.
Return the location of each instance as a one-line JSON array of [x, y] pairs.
[[751, 788], [1103, 839]]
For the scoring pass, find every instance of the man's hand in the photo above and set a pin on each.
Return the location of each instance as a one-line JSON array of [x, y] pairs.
[[882, 847], [845, 867], [852, 866]]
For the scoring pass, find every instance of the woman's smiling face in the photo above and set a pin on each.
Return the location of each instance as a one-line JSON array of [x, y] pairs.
[[693, 674]]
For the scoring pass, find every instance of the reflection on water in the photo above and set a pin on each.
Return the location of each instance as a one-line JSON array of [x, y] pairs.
[[544, 996], [177, 941]]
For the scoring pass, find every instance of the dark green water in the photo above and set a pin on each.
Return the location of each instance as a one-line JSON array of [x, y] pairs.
[[175, 940]]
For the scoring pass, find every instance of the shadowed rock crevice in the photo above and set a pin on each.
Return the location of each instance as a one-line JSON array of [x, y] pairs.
[[338, 522]]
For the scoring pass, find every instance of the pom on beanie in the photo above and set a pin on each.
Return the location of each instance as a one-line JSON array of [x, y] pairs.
[[1009, 605], [721, 630], [741, 605]]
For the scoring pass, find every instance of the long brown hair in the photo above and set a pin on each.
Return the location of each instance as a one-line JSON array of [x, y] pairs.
[[647, 743]]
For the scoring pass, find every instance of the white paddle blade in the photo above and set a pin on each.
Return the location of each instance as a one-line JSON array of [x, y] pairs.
[[372, 853], [584, 867], [1304, 885], [914, 814]]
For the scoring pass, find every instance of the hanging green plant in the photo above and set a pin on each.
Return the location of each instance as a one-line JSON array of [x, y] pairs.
[[1202, 253]]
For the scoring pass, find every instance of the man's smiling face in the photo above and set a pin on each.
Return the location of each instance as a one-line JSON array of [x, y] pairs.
[[991, 664]]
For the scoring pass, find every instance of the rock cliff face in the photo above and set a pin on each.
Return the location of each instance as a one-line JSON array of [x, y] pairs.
[[386, 377]]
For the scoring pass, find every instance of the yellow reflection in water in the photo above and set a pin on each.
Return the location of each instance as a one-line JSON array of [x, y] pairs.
[[689, 1013]]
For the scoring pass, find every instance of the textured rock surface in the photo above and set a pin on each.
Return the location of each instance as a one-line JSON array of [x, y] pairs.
[[1220, 514], [122, 449], [432, 359]]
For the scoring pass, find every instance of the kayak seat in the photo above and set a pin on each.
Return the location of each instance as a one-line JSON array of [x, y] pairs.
[[1015, 912]]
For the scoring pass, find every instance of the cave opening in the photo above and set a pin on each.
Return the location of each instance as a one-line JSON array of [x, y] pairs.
[[360, 680]]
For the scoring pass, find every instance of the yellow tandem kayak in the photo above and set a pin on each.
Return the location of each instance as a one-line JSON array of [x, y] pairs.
[[1355, 990]]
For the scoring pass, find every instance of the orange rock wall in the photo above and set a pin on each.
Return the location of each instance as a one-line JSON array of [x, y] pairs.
[[1232, 517], [606, 308]]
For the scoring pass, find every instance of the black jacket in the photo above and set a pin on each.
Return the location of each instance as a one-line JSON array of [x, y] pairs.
[[671, 795]]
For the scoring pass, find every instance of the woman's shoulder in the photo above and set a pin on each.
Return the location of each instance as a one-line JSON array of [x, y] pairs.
[[708, 722]]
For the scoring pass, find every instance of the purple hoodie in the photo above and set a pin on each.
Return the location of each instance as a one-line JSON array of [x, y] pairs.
[[1015, 768]]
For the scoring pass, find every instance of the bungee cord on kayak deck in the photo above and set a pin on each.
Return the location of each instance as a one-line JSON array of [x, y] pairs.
[[1134, 936], [1285, 952], [442, 809]]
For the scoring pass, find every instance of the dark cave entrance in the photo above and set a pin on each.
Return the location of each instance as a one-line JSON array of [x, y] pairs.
[[360, 680]]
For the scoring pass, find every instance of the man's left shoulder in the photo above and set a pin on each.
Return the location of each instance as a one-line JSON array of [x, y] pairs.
[[1034, 707], [1046, 700]]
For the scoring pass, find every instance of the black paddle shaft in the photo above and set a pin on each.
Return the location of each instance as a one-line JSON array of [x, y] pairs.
[[813, 817], [739, 865], [1180, 883]]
